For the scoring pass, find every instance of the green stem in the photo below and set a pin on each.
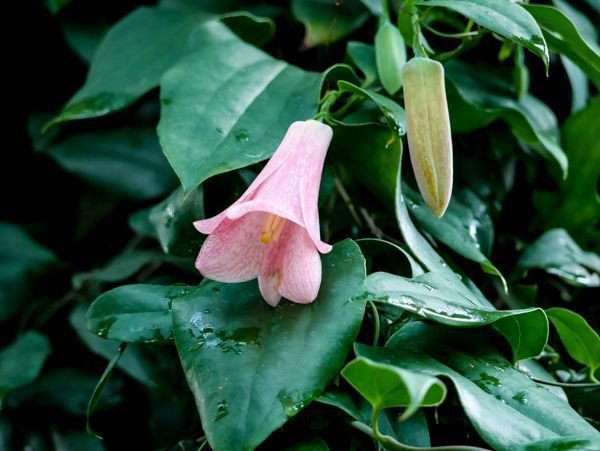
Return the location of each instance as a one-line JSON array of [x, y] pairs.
[[391, 443], [566, 384], [376, 321]]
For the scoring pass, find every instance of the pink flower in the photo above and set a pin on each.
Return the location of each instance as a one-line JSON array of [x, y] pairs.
[[272, 230]]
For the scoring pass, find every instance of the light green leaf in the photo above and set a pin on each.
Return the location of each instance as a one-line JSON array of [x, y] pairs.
[[327, 22], [22, 361], [240, 356], [389, 386], [445, 300], [581, 341], [216, 106], [504, 17], [363, 57], [564, 37], [124, 162], [558, 254], [393, 113]]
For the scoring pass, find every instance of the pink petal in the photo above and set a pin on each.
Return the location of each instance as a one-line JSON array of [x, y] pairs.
[[233, 252], [300, 266], [268, 288]]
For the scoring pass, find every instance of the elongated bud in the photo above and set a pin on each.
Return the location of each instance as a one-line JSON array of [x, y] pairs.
[[428, 129], [390, 56]]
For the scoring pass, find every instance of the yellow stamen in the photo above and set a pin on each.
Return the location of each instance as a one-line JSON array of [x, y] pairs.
[[272, 228]]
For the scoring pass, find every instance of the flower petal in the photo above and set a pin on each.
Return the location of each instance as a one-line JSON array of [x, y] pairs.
[[233, 252], [267, 285], [300, 266]]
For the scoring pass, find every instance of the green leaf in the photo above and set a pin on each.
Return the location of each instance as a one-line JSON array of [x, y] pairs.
[[22, 361], [466, 228], [581, 341], [130, 61], [121, 267], [393, 113], [240, 356], [84, 40], [250, 28], [389, 386], [558, 254], [133, 363], [504, 17], [478, 96], [312, 444], [390, 56], [327, 22], [563, 37], [125, 162], [135, 313], [75, 441], [172, 222], [445, 300], [54, 6], [488, 386], [363, 57], [217, 106], [576, 206], [21, 259]]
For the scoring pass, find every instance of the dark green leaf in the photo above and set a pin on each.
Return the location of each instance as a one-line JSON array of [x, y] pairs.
[[393, 113], [252, 29], [240, 356], [558, 254], [130, 61], [477, 96], [564, 37], [579, 338], [21, 259], [216, 113], [22, 361], [326, 22], [135, 313], [76, 441], [466, 227], [576, 207], [133, 362], [504, 17], [125, 162], [488, 387]]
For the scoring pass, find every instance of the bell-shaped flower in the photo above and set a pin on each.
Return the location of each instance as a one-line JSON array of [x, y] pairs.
[[272, 231]]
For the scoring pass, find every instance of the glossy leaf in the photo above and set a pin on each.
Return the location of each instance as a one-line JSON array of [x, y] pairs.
[[363, 57], [124, 162], [131, 59], [135, 313], [21, 259], [22, 361], [326, 22], [132, 362], [581, 341], [390, 56], [564, 37], [388, 386], [444, 300], [558, 254], [576, 205], [466, 227], [122, 267], [393, 113], [214, 117], [252, 29], [240, 356], [504, 17], [487, 385], [477, 97]]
